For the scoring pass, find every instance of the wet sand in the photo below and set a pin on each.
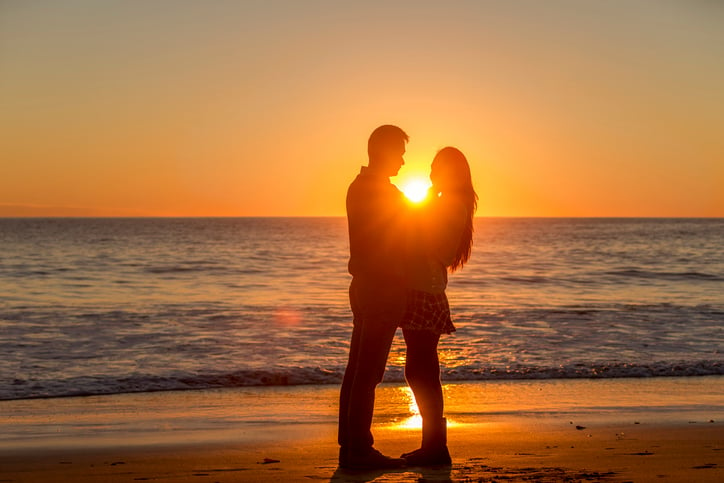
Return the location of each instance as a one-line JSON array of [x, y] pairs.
[[288, 434]]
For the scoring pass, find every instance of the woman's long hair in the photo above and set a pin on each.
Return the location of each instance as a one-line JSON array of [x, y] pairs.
[[461, 186]]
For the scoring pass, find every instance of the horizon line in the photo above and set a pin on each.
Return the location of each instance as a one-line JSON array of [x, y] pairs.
[[135, 217]]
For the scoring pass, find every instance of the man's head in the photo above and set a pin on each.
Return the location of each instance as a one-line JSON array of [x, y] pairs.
[[385, 148]]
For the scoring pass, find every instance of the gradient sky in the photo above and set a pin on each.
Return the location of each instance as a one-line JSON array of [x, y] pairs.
[[263, 108]]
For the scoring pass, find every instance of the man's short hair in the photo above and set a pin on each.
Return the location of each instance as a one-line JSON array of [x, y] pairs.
[[383, 137]]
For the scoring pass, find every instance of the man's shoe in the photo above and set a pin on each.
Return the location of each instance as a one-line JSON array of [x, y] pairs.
[[368, 459], [439, 456]]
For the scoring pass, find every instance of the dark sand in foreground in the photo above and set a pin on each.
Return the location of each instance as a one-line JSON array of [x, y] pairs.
[[205, 443]]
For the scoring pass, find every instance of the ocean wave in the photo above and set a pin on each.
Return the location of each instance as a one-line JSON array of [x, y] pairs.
[[93, 386], [676, 276], [183, 268], [527, 279], [588, 371]]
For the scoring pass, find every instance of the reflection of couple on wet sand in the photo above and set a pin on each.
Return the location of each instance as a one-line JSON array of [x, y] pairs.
[[399, 258]]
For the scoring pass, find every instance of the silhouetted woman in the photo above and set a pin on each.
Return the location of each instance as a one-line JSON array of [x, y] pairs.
[[441, 236]]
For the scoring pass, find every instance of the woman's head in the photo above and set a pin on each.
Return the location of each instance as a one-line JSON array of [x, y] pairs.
[[450, 171], [450, 175]]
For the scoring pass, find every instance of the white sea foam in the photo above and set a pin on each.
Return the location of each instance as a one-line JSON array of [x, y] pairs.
[[294, 376]]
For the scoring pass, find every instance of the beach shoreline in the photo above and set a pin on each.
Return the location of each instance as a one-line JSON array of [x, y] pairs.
[[552, 431]]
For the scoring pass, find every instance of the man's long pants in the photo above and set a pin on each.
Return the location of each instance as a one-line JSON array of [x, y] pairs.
[[368, 353]]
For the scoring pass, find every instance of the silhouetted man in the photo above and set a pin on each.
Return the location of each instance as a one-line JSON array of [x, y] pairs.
[[375, 209]]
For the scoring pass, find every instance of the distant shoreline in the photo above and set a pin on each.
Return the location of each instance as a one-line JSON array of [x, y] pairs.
[[183, 217]]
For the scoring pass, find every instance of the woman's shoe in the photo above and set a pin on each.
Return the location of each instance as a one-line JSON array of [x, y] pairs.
[[434, 450]]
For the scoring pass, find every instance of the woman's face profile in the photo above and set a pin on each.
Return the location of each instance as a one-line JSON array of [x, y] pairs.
[[441, 176]]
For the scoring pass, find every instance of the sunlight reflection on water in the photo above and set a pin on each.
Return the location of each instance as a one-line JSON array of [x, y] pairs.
[[405, 398]]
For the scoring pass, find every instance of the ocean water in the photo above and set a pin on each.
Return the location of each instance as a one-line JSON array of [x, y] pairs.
[[104, 306]]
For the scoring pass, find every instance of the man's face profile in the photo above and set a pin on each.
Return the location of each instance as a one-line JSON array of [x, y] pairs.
[[391, 157]]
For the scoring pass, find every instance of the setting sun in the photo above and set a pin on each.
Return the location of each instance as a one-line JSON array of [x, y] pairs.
[[415, 189]]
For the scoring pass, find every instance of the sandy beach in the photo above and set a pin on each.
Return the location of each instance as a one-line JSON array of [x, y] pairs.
[[614, 430]]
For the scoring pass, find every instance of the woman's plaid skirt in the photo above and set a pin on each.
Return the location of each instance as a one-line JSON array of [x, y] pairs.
[[427, 311]]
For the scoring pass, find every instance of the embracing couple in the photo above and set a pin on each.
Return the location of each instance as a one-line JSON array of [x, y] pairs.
[[399, 259]]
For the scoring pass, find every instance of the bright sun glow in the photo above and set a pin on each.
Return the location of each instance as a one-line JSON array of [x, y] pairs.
[[415, 189]]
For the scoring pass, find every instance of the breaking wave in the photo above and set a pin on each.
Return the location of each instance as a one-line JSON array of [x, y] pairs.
[[90, 386]]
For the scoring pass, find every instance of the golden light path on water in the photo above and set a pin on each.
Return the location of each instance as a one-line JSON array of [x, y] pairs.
[[414, 420], [402, 396]]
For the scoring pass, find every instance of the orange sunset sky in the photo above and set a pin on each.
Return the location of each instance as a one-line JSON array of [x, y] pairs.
[[263, 108]]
